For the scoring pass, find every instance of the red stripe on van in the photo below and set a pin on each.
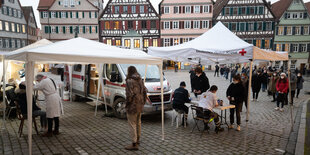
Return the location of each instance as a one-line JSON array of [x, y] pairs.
[[114, 84]]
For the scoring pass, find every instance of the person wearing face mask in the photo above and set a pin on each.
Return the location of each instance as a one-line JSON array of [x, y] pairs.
[[264, 78], [256, 84], [235, 96], [200, 82], [293, 84], [272, 85], [245, 84], [282, 89], [300, 81]]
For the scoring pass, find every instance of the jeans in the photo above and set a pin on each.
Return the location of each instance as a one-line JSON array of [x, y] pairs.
[[134, 122], [232, 112], [264, 87], [42, 115], [50, 124]]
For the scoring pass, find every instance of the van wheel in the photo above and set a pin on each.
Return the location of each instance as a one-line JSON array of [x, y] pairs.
[[119, 108]]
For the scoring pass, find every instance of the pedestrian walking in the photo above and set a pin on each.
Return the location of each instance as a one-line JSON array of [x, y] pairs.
[[176, 67], [256, 84], [53, 103], [222, 71], [216, 72], [135, 100], [264, 77], [282, 89], [192, 75], [235, 96], [232, 74], [201, 82], [300, 83], [272, 85], [245, 84], [293, 84], [180, 97]]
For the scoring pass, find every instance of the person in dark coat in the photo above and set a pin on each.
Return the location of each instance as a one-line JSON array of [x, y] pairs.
[[232, 74], [180, 97], [192, 75], [264, 78], [227, 72], [216, 72], [235, 96], [272, 85], [300, 81], [245, 84], [200, 81], [256, 84], [222, 71]]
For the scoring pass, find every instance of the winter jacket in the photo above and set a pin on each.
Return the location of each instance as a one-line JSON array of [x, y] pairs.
[[300, 81], [235, 91], [272, 84], [135, 94], [282, 85], [181, 96], [293, 82], [256, 82], [245, 84], [21, 99], [201, 83], [264, 78]]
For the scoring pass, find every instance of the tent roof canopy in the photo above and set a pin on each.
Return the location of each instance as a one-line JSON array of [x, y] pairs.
[[218, 44], [81, 50]]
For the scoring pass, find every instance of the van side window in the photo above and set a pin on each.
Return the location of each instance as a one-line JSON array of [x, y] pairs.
[[110, 68], [77, 68]]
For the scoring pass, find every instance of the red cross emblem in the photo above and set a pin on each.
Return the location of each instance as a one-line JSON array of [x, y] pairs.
[[242, 52]]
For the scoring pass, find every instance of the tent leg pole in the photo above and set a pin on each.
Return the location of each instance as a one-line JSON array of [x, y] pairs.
[[29, 90], [3, 95], [70, 75], [290, 93], [249, 91], [162, 102]]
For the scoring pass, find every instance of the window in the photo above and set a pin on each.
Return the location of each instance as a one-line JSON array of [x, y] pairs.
[[7, 44], [125, 9], [53, 14], [303, 47], [280, 30], [289, 30], [306, 30], [235, 11], [196, 24], [77, 68], [111, 68], [80, 15], [259, 26], [109, 41], [68, 29], [93, 29], [252, 10], [258, 43], [197, 9], [267, 44], [242, 26], [155, 43], [10, 11], [45, 14], [166, 42], [176, 9], [166, 10], [53, 29], [242, 10], [116, 25], [1, 28], [133, 9], [268, 26], [251, 26], [72, 3], [206, 9], [187, 24], [294, 15], [107, 25], [187, 9], [176, 41], [63, 14], [66, 3], [18, 43], [205, 24], [175, 25], [116, 8], [233, 26], [295, 47], [23, 43], [301, 15], [13, 43], [185, 40], [286, 47], [4, 10], [7, 27], [118, 42], [143, 24], [297, 30], [127, 43], [146, 42], [14, 13], [136, 43], [130, 24], [13, 27], [153, 24], [227, 11], [23, 28], [166, 25], [142, 9], [1, 43], [19, 15]]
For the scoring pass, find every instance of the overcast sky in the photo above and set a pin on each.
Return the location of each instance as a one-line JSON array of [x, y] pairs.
[[34, 4]]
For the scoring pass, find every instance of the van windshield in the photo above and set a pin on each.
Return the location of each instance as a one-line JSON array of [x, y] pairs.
[[152, 74]]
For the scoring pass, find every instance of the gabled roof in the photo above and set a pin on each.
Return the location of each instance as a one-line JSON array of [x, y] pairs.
[[308, 7], [280, 7], [45, 4], [27, 10]]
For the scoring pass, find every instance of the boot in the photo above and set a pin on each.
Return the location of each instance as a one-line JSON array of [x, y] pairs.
[[133, 146], [56, 132], [47, 134], [219, 129]]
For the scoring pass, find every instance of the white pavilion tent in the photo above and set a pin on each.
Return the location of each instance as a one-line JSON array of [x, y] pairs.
[[82, 51]]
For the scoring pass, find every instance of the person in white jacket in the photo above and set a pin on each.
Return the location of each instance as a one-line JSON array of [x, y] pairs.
[[53, 103]]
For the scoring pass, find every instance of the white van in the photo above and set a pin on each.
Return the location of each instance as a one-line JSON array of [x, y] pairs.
[[85, 81]]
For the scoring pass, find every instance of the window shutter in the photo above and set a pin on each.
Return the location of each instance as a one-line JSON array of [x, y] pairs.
[[171, 41], [247, 10], [263, 43], [200, 24], [229, 26], [49, 29], [293, 30], [183, 11], [63, 29], [301, 30], [71, 29], [56, 29], [308, 47], [285, 15], [49, 14], [223, 11], [201, 9], [45, 29], [56, 13], [239, 11], [264, 26], [90, 29], [84, 29], [285, 29], [96, 29], [180, 9], [273, 26], [254, 42], [210, 8], [41, 14], [77, 14], [95, 14], [277, 30], [305, 15], [192, 24], [299, 47], [89, 14], [231, 11], [83, 15], [60, 15], [237, 26], [291, 47], [210, 24], [192, 9], [255, 26], [66, 14], [171, 26], [70, 14]]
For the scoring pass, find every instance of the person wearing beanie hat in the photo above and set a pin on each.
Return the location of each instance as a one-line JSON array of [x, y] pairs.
[[180, 97]]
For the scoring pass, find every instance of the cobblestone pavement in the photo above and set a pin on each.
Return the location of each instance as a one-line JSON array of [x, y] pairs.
[[266, 132]]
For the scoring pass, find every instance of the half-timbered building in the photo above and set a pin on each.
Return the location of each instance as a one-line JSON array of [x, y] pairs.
[[130, 24], [31, 24], [251, 20]]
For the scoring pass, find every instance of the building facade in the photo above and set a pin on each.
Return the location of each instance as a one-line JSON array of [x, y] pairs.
[[65, 19], [130, 24], [184, 20], [292, 31], [31, 24], [13, 26], [251, 20]]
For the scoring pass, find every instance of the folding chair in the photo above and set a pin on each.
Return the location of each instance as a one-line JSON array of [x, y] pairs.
[[9, 106], [22, 119], [198, 115]]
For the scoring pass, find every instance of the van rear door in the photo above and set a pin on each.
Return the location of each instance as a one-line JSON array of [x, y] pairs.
[[78, 79]]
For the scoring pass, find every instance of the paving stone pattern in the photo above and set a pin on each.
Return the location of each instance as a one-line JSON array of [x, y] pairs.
[[82, 133]]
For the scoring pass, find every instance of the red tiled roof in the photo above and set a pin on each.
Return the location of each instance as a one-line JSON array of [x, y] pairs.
[[308, 7], [280, 7], [45, 4]]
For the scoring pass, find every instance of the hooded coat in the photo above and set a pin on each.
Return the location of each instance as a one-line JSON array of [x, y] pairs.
[[135, 94], [201, 83]]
